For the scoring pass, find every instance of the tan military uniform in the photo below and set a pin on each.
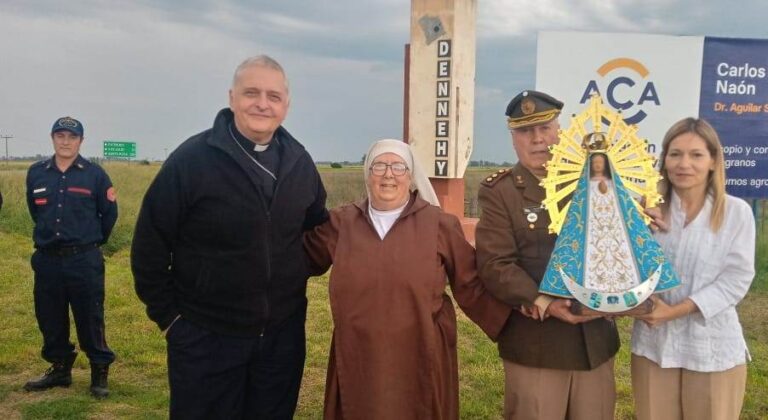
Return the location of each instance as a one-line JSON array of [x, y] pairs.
[[513, 249]]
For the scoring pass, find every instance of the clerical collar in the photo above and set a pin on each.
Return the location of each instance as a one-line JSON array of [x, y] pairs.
[[247, 142]]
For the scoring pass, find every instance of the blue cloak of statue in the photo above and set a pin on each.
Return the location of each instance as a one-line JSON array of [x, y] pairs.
[[605, 255]]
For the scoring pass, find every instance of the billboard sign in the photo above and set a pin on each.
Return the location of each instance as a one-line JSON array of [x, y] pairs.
[[656, 80]]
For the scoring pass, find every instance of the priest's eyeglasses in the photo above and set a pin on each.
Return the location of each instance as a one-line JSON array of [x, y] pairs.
[[380, 168]]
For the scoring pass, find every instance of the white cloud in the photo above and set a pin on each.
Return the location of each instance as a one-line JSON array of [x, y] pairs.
[[157, 71], [286, 24], [524, 18]]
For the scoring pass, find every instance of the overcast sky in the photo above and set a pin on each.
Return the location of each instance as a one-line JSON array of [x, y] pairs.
[[156, 72]]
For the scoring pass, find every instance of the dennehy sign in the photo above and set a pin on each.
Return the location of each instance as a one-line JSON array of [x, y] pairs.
[[442, 85]]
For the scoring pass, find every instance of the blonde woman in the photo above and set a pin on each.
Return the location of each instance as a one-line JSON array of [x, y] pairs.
[[689, 354]]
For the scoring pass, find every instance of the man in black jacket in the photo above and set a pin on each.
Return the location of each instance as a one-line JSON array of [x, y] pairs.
[[217, 255]]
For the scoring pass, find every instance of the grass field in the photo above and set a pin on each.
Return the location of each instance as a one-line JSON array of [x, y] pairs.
[[138, 379]]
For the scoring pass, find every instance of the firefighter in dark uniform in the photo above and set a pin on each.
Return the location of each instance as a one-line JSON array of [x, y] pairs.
[[72, 203], [557, 365]]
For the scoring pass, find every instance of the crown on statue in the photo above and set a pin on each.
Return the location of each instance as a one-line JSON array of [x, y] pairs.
[[595, 142]]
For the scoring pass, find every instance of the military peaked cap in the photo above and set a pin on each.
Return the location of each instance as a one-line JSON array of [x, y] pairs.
[[531, 108]]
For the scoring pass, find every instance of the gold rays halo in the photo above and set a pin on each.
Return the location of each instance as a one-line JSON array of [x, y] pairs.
[[627, 152]]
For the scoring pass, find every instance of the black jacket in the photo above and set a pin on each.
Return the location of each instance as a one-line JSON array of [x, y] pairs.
[[207, 246]]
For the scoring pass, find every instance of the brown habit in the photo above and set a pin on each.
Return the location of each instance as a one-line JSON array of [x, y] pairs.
[[393, 354]]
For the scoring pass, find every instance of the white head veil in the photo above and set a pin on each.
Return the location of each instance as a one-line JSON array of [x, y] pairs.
[[419, 180]]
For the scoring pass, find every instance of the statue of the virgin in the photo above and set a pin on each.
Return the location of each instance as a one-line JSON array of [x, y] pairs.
[[605, 255]]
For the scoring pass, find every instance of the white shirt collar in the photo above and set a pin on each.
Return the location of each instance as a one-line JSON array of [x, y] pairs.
[[384, 219]]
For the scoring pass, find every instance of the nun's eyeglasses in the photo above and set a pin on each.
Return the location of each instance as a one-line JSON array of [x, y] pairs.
[[397, 168]]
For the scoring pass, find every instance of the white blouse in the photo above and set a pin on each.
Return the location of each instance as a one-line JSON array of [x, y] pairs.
[[716, 270]]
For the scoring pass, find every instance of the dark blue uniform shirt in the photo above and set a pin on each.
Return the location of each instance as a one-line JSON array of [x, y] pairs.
[[73, 208]]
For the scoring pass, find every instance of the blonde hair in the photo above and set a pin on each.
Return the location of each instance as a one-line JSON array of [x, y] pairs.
[[716, 178]]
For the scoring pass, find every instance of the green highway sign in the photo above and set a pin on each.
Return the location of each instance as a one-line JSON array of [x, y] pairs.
[[119, 149]]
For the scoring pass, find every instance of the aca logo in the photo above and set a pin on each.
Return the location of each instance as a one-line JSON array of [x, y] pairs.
[[627, 89]]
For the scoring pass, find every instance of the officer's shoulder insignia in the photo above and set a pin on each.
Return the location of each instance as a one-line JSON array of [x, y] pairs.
[[494, 177], [40, 163], [83, 162]]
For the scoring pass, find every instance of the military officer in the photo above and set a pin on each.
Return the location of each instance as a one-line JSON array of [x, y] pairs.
[[73, 205], [556, 364]]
